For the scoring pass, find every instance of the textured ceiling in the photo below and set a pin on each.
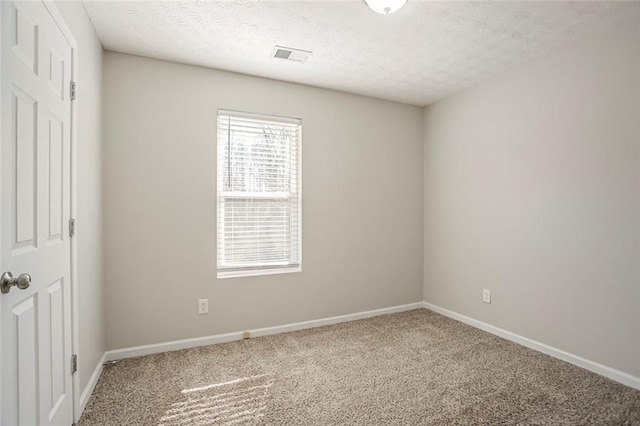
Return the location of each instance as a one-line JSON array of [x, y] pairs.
[[420, 54]]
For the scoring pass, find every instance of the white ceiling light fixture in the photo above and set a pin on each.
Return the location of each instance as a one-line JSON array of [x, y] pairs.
[[385, 7]]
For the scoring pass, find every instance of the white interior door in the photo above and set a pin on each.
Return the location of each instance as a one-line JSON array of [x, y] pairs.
[[34, 214]]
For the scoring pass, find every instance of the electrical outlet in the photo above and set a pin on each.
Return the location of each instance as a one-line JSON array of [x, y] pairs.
[[203, 306], [486, 296]]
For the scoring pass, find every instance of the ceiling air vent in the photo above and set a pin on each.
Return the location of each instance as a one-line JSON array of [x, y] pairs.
[[291, 54]]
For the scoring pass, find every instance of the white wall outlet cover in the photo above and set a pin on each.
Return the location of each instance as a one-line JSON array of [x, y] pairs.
[[486, 296], [203, 306]]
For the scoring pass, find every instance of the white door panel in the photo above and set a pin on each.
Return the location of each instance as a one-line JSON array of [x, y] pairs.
[[35, 164]]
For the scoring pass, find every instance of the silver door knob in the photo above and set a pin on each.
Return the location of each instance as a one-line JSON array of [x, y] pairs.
[[7, 281]]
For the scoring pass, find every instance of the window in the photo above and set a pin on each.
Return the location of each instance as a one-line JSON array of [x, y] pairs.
[[259, 194]]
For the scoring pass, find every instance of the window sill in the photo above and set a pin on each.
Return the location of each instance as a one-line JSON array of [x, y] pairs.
[[256, 273]]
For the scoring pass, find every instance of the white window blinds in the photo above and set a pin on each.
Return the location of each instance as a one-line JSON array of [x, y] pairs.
[[259, 194]]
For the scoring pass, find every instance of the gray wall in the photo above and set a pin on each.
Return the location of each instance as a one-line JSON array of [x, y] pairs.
[[362, 203], [89, 189], [532, 190]]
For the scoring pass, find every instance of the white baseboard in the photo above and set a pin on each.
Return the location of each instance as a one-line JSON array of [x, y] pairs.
[[333, 320], [603, 370], [88, 390], [174, 345], [229, 337]]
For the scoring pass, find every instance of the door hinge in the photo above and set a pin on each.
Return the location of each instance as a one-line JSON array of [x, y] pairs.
[[72, 228], [74, 91], [74, 364]]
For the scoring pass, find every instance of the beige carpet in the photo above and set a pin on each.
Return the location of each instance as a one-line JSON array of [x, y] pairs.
[[411, 368]]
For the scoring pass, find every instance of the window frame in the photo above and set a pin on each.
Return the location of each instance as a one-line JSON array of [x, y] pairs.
[[294, 194]]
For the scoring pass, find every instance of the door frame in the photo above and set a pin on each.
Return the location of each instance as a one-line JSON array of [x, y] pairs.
[[68, 35]]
